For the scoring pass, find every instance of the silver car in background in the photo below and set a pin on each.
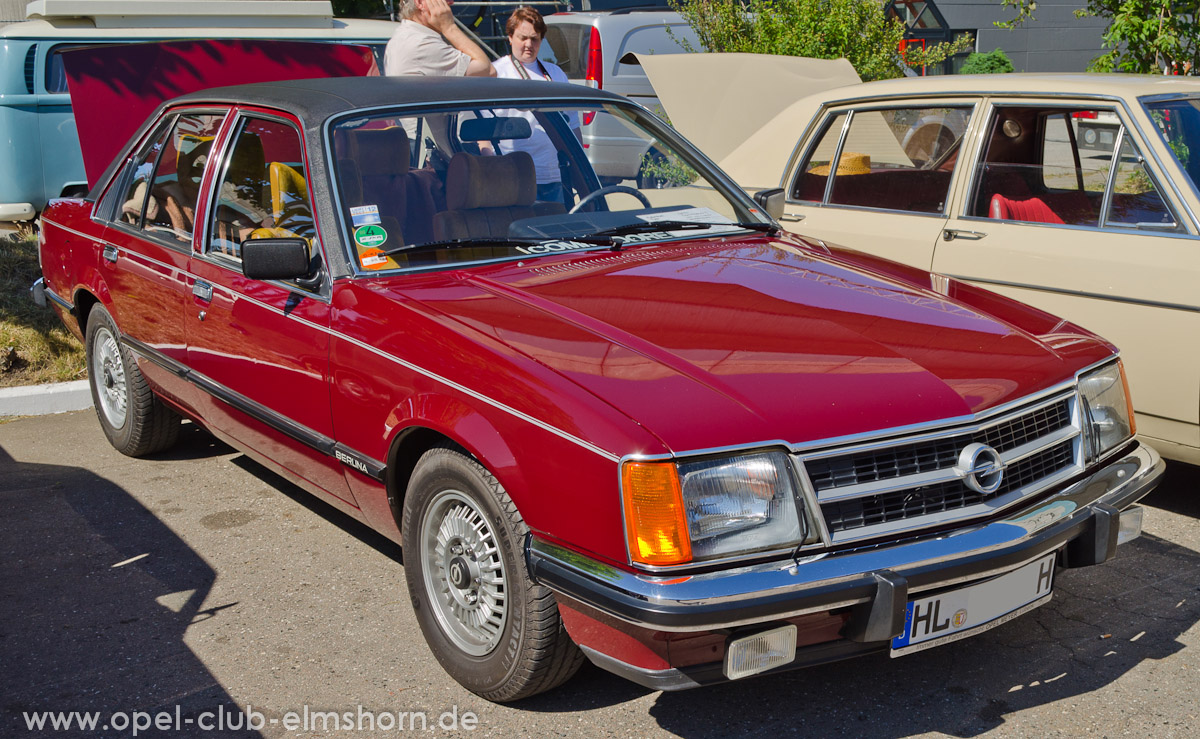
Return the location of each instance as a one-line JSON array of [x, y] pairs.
[[589, 47]]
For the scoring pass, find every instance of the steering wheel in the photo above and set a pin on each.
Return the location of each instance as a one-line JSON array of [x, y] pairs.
[[597, 194]]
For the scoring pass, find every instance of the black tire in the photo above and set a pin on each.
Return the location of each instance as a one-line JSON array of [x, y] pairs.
[[523, 651], [133, 418]]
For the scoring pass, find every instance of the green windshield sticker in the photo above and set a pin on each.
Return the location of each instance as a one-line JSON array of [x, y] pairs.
[[370, 235]]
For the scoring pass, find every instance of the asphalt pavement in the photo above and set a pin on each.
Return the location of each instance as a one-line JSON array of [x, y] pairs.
[[199, 587]]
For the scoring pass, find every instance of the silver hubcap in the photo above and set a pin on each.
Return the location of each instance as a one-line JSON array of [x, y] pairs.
[[108, 375], [463, 573]]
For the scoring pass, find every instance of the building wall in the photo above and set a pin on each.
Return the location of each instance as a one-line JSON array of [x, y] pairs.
[[1055, 41]]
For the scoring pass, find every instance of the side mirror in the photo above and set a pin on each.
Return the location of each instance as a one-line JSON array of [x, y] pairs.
[[771, 201], [275, 259]]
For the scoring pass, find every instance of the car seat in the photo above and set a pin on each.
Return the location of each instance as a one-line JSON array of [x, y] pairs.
[[485, 194]]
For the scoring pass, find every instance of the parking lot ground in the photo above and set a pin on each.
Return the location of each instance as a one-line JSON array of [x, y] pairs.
[[198, 583]]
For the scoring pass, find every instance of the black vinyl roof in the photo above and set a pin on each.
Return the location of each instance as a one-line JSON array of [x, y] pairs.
[[313, 101]]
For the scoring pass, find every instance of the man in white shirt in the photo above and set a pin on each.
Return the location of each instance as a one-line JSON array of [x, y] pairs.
[[430, 44]]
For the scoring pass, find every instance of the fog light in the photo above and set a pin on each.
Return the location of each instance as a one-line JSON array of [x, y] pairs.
[[763, 651], [1130, 524]]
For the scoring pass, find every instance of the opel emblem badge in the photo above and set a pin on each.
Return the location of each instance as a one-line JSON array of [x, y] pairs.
[[981, 468]]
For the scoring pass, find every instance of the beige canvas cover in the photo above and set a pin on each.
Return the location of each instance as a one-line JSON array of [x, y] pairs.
[[741, 109]]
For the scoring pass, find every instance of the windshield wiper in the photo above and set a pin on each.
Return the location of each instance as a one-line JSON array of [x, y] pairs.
[[615, 233], [455, 243]]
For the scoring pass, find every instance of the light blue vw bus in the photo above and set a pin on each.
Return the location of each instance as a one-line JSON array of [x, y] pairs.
[[39, 148]]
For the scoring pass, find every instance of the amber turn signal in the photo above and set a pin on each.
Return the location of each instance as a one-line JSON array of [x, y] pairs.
[[1128, 399], [655, 523]]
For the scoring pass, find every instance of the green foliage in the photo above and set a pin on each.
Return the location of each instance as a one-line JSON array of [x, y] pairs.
[[823, 29], [1024, 10], [993, 62], [359, 8], [1146, 35], [1142, 36], [665, 170]]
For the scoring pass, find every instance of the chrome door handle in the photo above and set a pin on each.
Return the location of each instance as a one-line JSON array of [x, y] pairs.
[[792, 217], [950, 234], [202, 290], [110, 254]]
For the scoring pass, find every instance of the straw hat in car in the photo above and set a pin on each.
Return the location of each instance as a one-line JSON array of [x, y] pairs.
[[850, 163]]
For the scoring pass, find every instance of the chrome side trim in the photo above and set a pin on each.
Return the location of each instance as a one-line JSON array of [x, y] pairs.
[[70, 230], [1079, 293], [784, 588], [390, 357], [65, 304], [281, 423]]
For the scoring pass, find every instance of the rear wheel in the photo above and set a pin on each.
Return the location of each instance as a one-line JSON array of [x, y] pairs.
[[490, 626], [133, 418]]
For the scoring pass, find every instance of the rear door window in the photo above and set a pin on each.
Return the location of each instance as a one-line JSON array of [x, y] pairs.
[[161, 193], [1066, 166]]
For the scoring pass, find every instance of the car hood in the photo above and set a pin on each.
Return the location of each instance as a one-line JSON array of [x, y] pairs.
[[115, 87], [713, 344], [749, 117]]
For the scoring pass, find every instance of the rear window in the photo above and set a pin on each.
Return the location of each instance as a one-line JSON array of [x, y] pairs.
[[56, 78], [654, 40], [566, 45]]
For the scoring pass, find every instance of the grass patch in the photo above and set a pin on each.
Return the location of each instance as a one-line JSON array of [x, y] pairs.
[[34, 345]]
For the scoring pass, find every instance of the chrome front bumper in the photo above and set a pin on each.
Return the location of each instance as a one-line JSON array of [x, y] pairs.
[[1082, 519]]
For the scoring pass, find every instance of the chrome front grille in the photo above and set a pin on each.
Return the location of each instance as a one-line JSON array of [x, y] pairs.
[[908, 483]]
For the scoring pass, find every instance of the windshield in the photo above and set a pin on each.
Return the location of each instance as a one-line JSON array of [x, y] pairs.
[[480, 184], [1178, 122]]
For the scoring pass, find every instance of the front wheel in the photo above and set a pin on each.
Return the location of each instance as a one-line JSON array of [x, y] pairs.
[[133, 418], [490, 626]]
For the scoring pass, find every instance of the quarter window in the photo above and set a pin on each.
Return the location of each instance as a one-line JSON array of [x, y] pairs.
[[893, 159]]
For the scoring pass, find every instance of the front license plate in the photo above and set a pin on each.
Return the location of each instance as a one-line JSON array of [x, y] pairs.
[[955, 615]]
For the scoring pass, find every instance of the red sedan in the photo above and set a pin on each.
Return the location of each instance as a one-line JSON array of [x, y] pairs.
[[643, 426]]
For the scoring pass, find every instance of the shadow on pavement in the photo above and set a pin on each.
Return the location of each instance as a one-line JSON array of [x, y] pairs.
[[305, 499], [97, 595]]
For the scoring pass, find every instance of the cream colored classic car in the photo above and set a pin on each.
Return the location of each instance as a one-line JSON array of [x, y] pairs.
[[1000, 180]]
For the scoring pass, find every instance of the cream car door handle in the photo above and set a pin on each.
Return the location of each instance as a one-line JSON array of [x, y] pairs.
[[950, 234], [794, 217]]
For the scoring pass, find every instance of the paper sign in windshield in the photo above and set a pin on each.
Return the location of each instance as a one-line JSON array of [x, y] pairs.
[[373, 259], [692, 215], [363, 215]]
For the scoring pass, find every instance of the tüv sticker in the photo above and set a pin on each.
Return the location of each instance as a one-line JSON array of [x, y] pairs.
[[370, 235], [362, 215]]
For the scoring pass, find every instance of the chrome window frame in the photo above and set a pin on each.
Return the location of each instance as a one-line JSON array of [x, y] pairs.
[[828, 113], [1127, 122], [1146, 100], [235, 119]]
